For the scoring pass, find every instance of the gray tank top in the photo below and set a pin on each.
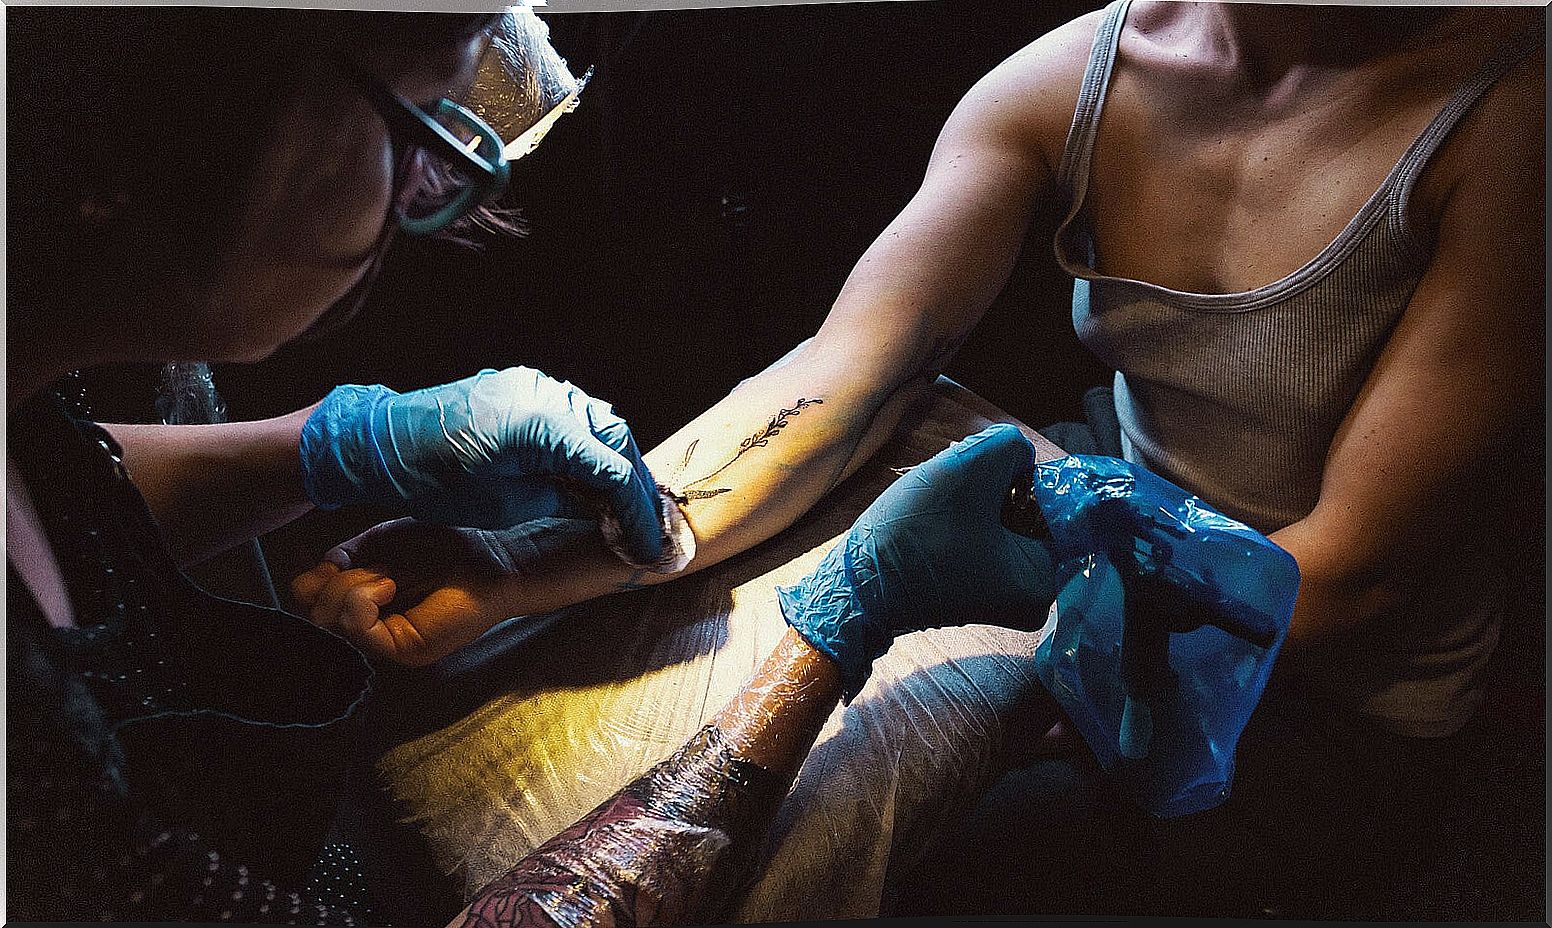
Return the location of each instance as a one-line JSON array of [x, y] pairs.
[[1237, 396]]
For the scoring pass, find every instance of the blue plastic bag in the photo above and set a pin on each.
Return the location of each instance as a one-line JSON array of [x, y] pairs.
[[1167, 622]]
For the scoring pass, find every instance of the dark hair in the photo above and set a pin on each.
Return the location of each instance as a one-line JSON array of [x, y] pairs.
[[160, 112]]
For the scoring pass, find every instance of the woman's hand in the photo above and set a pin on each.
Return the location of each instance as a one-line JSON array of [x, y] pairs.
[[413, 592], [931, 551], [489, 451]]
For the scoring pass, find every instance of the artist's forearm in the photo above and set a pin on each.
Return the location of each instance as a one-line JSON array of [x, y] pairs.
[[775, 718], [670, 847], [211, 487]]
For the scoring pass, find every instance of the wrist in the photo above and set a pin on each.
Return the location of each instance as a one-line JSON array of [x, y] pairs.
[[827, 612], [342, 461]]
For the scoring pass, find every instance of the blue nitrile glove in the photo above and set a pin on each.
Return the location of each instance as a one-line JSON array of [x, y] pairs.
[[931, 551], [489, 451]]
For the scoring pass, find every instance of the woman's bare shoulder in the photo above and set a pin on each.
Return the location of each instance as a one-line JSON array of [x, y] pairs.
[[1501, 140], [1033, 93]]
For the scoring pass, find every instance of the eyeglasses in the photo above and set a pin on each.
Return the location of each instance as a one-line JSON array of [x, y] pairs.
[[453, 163]]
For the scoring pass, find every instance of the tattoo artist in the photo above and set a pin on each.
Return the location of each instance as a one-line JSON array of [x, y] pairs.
[[156, 768]]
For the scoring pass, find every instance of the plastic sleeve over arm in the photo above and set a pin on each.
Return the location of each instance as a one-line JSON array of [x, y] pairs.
[[666, 849]]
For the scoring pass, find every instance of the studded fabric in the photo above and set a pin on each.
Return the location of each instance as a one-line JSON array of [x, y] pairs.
[[123, 733]]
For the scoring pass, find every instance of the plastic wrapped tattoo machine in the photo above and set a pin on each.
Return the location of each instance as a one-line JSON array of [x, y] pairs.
[[1167, 621]]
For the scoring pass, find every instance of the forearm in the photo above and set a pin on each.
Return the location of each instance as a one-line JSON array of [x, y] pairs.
[[745, 469], [752, 464], [672, 846], [211, 487]]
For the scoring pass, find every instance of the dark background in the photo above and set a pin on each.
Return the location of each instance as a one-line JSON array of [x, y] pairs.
[[693, 220]]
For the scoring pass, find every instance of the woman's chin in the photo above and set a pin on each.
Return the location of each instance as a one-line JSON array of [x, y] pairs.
[[248, 344]]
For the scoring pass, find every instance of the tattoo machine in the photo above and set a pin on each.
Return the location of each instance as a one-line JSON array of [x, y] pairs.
[[1167, 620]]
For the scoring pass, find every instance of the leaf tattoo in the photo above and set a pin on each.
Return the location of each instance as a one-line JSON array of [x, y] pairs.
[[763, 437]]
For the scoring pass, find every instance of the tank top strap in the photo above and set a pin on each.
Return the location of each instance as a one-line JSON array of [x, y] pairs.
[[1406, 172], [1073, 176]]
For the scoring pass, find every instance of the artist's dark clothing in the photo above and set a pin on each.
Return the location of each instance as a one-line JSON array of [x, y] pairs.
[[162, 761]]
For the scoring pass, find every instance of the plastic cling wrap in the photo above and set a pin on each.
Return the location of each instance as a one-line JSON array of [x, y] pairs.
[[523, 85], [657, 852], [1167, 622]]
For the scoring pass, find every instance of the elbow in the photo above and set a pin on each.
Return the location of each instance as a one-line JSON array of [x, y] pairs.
[[1334, 606]]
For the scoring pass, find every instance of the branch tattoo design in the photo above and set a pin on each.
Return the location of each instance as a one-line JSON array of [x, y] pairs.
[[759, 439]]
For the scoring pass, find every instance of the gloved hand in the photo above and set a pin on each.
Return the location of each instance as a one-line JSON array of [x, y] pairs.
[[931, 551], [489, 451]]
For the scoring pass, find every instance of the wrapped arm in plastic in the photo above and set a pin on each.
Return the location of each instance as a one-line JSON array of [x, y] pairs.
[[673, 846]]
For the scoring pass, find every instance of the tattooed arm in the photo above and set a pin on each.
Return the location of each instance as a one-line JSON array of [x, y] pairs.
[[752, 464], [672, 846]]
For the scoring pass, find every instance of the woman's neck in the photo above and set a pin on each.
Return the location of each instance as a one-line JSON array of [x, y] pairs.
[[1267, 43]]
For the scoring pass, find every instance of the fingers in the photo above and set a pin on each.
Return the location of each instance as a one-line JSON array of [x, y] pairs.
[[606, 461], [536, 432], [346, 600], [394, 638], [363, 604], [539, 427], [637, 506], [981, 467], [998, 453], [446, 620], [356, 602], [306, 586]]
